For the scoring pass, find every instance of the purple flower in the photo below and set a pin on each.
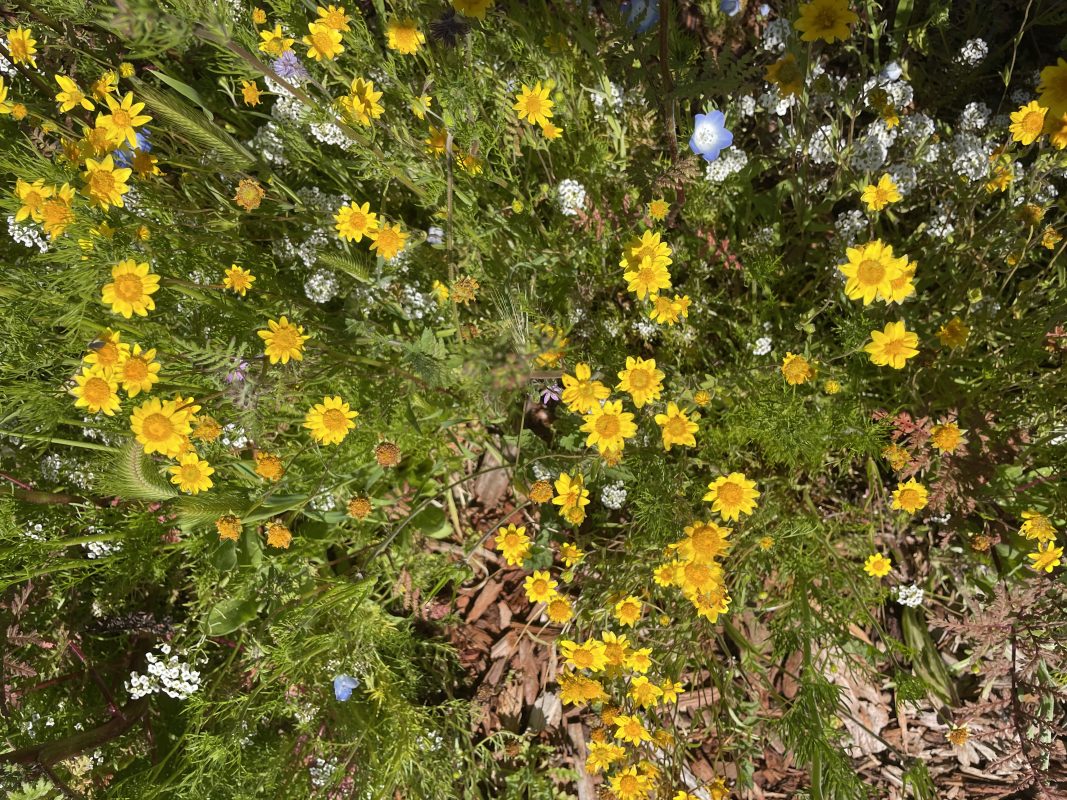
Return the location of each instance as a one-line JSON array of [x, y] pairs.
[[710, 135], [237, 374], [551, 394], [343, 686], [288, 66]]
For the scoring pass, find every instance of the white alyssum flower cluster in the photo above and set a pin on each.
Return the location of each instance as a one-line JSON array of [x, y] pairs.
[[613, 495], [322, 286], [729, 163], [972, 52], [762, 346], [571, 196], [27, 234], [611, 99], [167, 673], [910, 596]]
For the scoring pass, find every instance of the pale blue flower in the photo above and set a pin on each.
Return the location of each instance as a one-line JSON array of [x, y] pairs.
[[730, 8], [343, 686], [641, 14], [710, 135]]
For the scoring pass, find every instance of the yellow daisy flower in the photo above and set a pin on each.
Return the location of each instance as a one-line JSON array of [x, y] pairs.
[[388, 240], [355, 221], [283, 340], [323, 42], [608, 427], [870, 270], [330, 421], [160, 427], [910, 497], [628, 611], [274, 42], [404, 36], [1027, 123], [238, 280], [676, 428], [131, 289], [106, 184], [828, 20], [641, 380], [97, 390], [732, 495], [20, 46], [877, 565], [539, 587], [878, 196], [533, 105], [124, 118], [191, 474], [138, 371], [893, 346], [71, 96], [581, 393]]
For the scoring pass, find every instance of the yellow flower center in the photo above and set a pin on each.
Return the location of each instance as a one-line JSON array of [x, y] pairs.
[[628, 783], [870, 272], [730, 494], [511, 541], [120, 118], [607, 426], [908, 498], [640, 379], [533, 105], [190, 473], [322, 42], [157, 427], [826, 19], [334, 420], [96, 391], [135, 369], [128, 288], [893, 347], [697, 574], [539, 587], [285, 338], [582, 658], [676, 427], [1033, 123], [102, 183], [646, 276], [107, 354]]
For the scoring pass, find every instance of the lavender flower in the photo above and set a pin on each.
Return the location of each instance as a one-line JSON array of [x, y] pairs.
[[551, 394], [288, 66]]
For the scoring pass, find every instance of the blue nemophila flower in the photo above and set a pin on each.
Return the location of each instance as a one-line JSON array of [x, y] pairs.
[[641, 14], [343, 686], [730, 7], [710, 135], [124, 157]]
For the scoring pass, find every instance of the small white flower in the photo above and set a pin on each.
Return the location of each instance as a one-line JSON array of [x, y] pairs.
[[762, 346]]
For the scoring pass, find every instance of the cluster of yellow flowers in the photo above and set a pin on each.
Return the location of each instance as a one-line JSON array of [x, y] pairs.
[[534, 106], [645, 260], [610, 665], [325, 35], [1039, 528], [355, 221]]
